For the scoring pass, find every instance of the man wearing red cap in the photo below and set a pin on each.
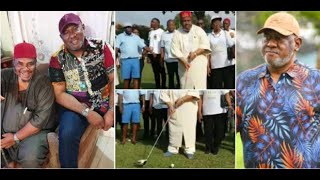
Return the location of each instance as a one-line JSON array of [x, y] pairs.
[[190, 45], [26, 102], [278, 106], [82, 76]]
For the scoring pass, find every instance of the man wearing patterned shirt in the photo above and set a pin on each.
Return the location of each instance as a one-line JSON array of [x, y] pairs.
[[82, 77], [276, 102]]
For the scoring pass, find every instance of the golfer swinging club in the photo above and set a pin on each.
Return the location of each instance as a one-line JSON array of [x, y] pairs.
[[181, 124]]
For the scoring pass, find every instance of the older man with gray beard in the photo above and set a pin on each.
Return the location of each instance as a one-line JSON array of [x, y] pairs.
[[277, 102]]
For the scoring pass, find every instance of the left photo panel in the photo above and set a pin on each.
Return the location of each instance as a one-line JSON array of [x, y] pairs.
[[57, 89]]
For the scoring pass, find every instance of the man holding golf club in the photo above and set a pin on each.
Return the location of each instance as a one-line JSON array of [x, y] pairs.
[[190, 45], [181, 124]]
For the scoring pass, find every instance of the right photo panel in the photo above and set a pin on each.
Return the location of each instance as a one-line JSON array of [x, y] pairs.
[[277, 90]]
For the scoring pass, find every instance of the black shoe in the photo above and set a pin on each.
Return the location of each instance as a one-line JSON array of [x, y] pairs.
[[215, 151], [207, 151]]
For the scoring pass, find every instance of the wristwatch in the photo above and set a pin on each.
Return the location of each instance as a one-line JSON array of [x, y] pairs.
[[85, 112], [15, 138]]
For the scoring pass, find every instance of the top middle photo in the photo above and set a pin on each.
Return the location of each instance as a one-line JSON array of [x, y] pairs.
[[175, 49]]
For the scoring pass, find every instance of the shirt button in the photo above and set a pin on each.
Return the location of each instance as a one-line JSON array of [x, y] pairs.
[[283, 75]]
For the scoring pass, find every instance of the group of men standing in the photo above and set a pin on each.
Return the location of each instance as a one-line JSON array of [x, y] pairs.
[[196, 60]]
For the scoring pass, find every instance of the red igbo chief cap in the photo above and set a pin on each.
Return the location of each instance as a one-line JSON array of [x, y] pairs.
[[185, 14], [24, 50]]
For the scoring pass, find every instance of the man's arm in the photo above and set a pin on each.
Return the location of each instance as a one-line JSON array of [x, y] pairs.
[[150, 102], [108, 117], [143, 99], [71, 103], [184, 99], [200, 108], [40, 115], [120, 102], [176, 51], [229, 100], [162, 56], [7, 140]]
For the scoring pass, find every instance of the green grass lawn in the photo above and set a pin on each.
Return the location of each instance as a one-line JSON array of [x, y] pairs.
[[127, 155], [239, 152]]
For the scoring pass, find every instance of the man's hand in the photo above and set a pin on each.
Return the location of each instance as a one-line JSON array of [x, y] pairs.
[[179, 102], [208, 71], [191, 56], [171, 110], [108, 120], [232, 34], [199, 116], [185, 64], [95, 119], [120, 109], [150, 110], [1, 98], [162, 63], [142, 109], [7, 141]]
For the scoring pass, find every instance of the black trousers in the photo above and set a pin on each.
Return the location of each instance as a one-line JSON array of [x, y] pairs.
[[199, 132], [214, 130], [118, 118], [157, 71], [153, 123], [146, 117], [222, 78], [230, 77], [172, 69], [161, 117], [216, 79]]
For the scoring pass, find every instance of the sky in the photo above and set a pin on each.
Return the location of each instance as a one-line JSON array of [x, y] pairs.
[[144, 17]]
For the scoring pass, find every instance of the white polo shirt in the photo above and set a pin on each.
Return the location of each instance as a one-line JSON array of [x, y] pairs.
[[211, 102], [218, 44], [165, 43], [146, 94], [157, 102], [154, 39], [130, 96]]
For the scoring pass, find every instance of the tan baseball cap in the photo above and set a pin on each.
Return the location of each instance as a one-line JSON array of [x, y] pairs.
[[283, 23]]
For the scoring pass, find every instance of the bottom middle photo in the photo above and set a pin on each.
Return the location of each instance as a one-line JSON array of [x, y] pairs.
[[175, 129]]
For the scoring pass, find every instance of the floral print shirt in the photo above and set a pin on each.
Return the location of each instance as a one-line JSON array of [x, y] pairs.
[[279, 122], [86, 77]]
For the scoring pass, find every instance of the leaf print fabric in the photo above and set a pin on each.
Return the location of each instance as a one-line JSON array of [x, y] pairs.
[[277, 122]]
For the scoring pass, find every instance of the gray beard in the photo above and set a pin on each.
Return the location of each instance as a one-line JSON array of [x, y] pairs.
[[280, 62], [277, 63]]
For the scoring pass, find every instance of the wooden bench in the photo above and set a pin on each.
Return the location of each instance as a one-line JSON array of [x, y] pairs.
[[87, 148]]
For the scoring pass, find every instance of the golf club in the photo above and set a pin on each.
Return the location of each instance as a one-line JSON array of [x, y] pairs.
[[142, 162]]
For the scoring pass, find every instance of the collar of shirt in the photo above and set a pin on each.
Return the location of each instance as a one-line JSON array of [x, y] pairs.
[[290, 72], [216, 34]]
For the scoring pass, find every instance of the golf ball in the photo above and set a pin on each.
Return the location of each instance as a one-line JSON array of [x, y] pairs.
[[172, 165]]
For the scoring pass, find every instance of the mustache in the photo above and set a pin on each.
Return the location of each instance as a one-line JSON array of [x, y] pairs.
[[271, 51]]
